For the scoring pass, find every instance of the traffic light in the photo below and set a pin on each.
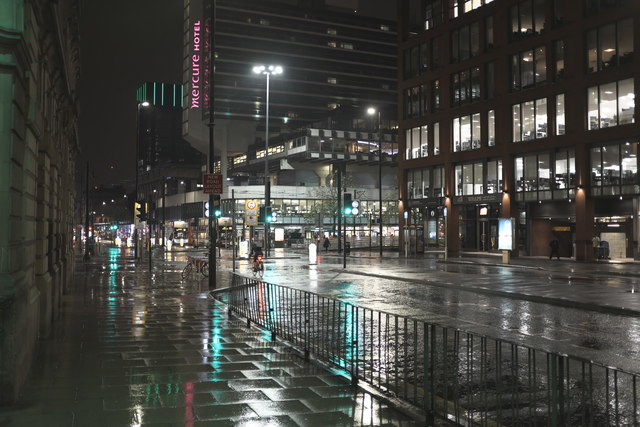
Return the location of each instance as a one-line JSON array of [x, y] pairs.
[[346, 205], [217, 211], [274, 216], [140, 211]]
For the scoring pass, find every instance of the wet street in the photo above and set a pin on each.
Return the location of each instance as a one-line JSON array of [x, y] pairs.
[[585, 310], [135, 348]]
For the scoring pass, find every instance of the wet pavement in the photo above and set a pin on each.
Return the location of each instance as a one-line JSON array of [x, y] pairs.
[[134, 348]]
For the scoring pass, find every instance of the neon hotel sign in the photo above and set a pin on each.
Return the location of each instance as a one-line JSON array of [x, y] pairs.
[[196, 79]]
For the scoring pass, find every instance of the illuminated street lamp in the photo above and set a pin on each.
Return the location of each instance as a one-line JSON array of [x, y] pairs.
[[371, 111], [267, 70], [135, 230]]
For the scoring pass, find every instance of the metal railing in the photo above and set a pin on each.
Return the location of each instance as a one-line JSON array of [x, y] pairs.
[[464, 377]]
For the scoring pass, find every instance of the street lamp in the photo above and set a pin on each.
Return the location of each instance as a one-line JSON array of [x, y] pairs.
[[135, 230], [267, 70], [371, 111]]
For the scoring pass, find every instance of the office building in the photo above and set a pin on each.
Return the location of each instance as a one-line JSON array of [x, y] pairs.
[[520, 109]]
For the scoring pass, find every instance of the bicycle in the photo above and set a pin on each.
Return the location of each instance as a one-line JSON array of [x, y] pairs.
[[199, 264], [257, 267]]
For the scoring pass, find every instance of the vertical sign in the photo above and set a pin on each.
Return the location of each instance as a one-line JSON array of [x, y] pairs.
[[505, 234]]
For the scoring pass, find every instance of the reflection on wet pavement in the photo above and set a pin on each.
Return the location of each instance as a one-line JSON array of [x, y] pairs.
[[134, 348]]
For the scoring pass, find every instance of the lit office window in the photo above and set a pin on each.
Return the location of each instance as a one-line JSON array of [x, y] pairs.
[[465, 86], [433, 14], [560, 119], [491, 125], [466, 132], [530, 120], [425, 183], [470, 178], [436, 139], [611, 104], [614, 168]]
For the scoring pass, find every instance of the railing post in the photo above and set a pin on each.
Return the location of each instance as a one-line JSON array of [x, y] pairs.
[[428, 375], [306, 326], [553, 379]]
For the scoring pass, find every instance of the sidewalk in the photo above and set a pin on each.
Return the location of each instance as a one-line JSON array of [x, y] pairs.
[[134, 349]]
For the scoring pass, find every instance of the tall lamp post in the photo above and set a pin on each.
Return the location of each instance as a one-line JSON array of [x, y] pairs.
[[268, 71], [137, 158], [371, 111]]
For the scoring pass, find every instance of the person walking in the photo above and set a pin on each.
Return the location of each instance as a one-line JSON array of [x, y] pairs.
[[326, 244], [555, 248], [596, 247]]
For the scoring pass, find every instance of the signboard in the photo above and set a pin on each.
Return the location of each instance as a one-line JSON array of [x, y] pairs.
[[212, 183], [251, 210], [250, 220], [505, 234]]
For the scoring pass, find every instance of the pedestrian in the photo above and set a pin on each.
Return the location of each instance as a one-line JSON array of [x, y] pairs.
[[555, 248], [326, 244], [596, 247]]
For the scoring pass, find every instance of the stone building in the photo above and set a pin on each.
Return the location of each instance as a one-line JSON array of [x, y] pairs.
[[39, 69]]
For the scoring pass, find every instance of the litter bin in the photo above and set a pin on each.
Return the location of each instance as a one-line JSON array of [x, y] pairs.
[[347, 247]]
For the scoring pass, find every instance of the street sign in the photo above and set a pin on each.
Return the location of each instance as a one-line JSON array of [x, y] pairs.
[[251, 220], [212, 183], [251, 209]]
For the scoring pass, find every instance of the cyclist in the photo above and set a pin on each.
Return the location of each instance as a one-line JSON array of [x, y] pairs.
[[257, 252]]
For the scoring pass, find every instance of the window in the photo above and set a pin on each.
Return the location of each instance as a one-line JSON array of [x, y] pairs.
[[417, 142], [610, 45], [560, 119], [611, 104], [436, 139], [614, 168], [415, 101], [564, 174], [416, 61], [465, 42], [491, 125], [426, 183], [348, 46], [530, 120], [528, 68], [466, 132], [559, 51], [595, 6], [488, 28], [435, 53], [546, 175], [332, 31], [435, 95], [559, 12], [470, 178], [491, 80], [527, 18], [332, 80], [433, 14], [460, 7], [465, 86]]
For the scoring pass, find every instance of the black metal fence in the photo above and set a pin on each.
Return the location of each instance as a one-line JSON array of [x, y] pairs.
[[461, 376]]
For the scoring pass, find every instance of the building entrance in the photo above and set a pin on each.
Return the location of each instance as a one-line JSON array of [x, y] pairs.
[[479, 227]]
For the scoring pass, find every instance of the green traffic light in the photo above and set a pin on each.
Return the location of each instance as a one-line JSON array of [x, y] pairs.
[[217, 213], [347, 211]]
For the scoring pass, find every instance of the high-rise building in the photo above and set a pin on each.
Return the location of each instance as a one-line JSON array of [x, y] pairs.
[[520, 109], [332, 59]]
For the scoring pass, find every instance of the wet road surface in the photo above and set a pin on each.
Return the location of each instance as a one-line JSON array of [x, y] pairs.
[[581, 310]]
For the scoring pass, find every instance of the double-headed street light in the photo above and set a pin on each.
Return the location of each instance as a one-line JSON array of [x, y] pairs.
[[371, 111], [137, 158], [267, 70]]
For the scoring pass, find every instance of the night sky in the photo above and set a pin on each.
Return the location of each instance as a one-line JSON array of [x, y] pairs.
[[123, 44]]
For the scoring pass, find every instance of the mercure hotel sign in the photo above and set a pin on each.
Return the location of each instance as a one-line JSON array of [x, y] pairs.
[[196, 58]]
